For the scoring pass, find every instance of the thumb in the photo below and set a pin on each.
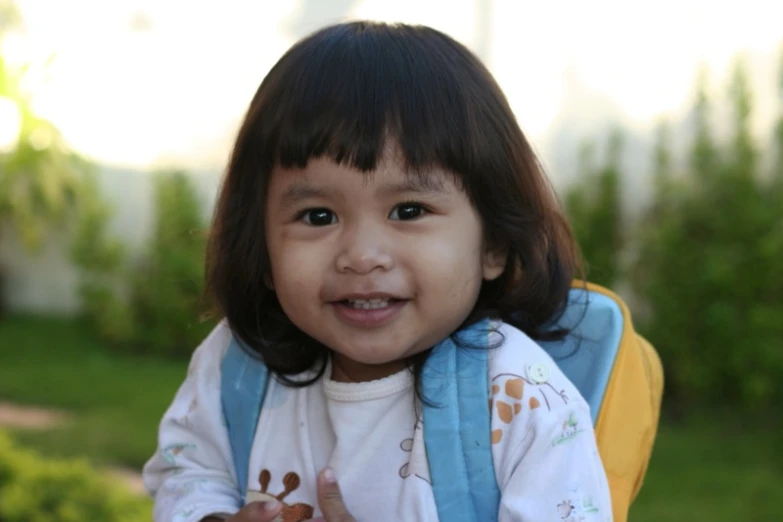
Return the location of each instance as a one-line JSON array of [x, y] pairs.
[[268, 511], [330, 499]]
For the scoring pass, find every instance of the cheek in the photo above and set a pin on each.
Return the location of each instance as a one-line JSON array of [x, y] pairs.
[[296, 271], [295, 292], [452, 263], [282, 252]]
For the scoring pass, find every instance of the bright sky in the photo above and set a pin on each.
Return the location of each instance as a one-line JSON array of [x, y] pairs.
[[175, 92]]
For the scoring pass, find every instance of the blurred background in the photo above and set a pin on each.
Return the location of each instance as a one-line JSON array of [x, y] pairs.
[[660, 124]]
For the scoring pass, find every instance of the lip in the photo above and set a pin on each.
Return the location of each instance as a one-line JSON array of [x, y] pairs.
[[367, 296], [368, 319]]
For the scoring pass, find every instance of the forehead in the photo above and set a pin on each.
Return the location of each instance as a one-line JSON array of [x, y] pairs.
[[324, 175]]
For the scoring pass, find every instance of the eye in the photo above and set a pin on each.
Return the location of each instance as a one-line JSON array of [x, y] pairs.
[[407, 211], [318, 217]]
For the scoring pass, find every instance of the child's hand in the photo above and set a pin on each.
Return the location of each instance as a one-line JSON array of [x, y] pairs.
[[330, 500], [254, 512]]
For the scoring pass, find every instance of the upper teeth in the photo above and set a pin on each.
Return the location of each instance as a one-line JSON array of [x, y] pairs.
[[369, 304]]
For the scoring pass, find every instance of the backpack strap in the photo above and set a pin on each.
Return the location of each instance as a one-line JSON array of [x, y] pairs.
[[242, 389], [587, 355], [457, 428]]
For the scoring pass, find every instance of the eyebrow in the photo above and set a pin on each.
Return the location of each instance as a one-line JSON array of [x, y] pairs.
[[415, 184], [299, 191]]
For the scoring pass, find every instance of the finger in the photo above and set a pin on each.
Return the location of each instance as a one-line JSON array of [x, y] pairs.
[[268, 511], [330, 499]]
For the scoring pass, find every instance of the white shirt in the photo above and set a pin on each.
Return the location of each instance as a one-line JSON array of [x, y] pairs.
[[544, 449]]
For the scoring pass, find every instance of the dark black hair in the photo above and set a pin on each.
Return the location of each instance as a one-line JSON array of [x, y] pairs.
[[343, 93]]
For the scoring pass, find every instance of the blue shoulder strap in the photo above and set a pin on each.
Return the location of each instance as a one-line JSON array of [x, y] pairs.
[[242, 389], [457, 429], [457, 426], [587, 355]]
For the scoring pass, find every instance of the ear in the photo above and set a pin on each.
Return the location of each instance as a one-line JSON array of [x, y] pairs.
[[493, 262]]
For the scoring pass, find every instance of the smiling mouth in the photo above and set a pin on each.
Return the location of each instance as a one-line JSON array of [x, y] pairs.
[[370, 304], [372, 311]]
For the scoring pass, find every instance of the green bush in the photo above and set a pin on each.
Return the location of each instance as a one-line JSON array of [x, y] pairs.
[[103, 287], [594, 210], [33, 489], [39, 174], [152, 305], [170, 282], [704, 256], [708, 267]]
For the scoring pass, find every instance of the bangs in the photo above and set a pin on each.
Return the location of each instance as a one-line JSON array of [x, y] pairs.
[[347, 92]]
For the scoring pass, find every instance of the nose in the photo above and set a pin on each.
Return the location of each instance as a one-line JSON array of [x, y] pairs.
[[364, 248]]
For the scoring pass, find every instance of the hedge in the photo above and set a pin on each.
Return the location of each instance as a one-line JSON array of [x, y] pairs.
[[37, 489]]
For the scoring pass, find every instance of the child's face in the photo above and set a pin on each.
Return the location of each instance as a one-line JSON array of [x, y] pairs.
[[376, 267]]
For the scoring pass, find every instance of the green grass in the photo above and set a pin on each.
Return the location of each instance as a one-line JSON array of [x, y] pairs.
[[714, 468], [117, 400]]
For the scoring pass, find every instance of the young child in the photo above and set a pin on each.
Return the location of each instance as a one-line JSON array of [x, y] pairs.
[[380, 197]]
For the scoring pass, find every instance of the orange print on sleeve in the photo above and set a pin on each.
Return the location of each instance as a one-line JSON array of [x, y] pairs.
[[506, 396]]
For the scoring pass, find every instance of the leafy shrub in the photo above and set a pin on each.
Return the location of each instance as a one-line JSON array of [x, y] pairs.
[[39, 174], [708, 267], [705, 271], [33, 489], [594, 210], [152, 305], [103, 287], [170, 282]]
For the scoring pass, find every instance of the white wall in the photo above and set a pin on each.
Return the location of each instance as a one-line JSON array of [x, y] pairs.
[[47, 282]]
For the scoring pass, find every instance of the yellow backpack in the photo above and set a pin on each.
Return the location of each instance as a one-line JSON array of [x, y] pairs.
[[627, 401]]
